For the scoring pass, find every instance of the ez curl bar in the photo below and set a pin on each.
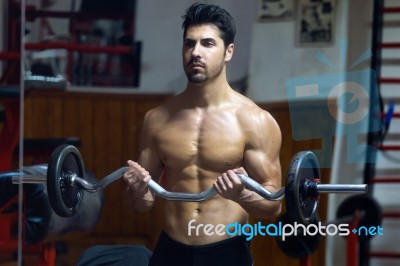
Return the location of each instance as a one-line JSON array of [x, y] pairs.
[[66, 185]]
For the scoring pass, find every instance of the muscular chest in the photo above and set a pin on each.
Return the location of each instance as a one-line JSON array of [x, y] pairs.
[[212, 141]]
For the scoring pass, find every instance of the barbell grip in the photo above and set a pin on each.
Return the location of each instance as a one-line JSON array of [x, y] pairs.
[[342, 188], [28, 179], [152, 185], [253, 185], [248, 182], [158, 190], [180, 196]]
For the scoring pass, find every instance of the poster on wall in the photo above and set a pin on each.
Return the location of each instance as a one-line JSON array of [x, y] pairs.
[[275, 10], [315, 22]]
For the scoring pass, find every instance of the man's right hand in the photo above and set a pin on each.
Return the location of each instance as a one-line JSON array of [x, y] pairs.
[[137, 179]]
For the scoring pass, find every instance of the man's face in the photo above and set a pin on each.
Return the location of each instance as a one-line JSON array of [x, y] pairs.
[[204, 54]]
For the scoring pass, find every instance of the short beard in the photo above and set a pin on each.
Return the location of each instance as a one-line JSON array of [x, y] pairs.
[[197, 79], [203, 77]]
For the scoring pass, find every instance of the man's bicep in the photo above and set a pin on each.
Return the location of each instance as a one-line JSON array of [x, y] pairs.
[[150, 161], [148, 155], [262, 159], [263, 168]]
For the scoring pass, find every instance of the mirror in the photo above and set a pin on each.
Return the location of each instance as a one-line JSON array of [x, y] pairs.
[[62, 45], [78, 44], [11, 103]]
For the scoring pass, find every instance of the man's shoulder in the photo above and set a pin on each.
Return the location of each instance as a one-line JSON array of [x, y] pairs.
[[249, 107], [245, 101], [162, 112], [258, 123], [156, 113], [253, 115]]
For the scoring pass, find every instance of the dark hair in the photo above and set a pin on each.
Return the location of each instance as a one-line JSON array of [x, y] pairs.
[[199, 13]]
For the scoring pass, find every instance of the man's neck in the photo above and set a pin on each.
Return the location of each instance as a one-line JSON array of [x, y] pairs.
[[206, 95]]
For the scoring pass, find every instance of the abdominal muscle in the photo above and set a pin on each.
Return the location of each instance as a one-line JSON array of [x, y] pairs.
[[214, 211], [188, 148]]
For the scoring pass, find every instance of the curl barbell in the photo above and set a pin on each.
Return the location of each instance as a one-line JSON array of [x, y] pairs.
[[66, 184]]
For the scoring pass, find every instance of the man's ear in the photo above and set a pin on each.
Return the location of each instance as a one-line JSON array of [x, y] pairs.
[[229, 52]]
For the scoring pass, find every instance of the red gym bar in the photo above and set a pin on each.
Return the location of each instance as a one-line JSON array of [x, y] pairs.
[[389, 255], [389, 45], [384, 180], [390, 10], [389, 80], [388, 147], [9, 56], [305, 261], [70, 47], [9, 134], [395, 115], [391, 215]]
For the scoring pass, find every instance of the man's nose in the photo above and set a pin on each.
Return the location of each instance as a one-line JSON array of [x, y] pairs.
[[196, 50]]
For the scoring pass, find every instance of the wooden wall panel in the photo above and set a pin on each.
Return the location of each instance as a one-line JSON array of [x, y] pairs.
[[108, 126], [70, 114]]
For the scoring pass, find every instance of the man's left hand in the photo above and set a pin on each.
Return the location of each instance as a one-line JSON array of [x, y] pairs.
[[229, 186]]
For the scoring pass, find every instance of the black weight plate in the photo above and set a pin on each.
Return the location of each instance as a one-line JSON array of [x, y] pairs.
[[365, 203], [65, 198], [301, 206], [301, 245]]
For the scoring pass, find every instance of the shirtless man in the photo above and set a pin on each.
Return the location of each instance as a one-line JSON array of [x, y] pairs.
[[201, 138]]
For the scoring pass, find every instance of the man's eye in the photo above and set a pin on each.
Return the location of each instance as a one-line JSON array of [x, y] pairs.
[[189, 44], [208, 43]]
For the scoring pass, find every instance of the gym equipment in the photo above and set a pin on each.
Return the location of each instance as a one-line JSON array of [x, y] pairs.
[[41, 224], [300, 245], [66, 184], [370, 208]]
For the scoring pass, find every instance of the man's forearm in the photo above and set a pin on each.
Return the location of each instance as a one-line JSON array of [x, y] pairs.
[[141, 203], [258, 207]]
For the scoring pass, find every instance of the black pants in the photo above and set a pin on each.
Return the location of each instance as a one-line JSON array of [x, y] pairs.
[[233, 252], [115, 255]]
